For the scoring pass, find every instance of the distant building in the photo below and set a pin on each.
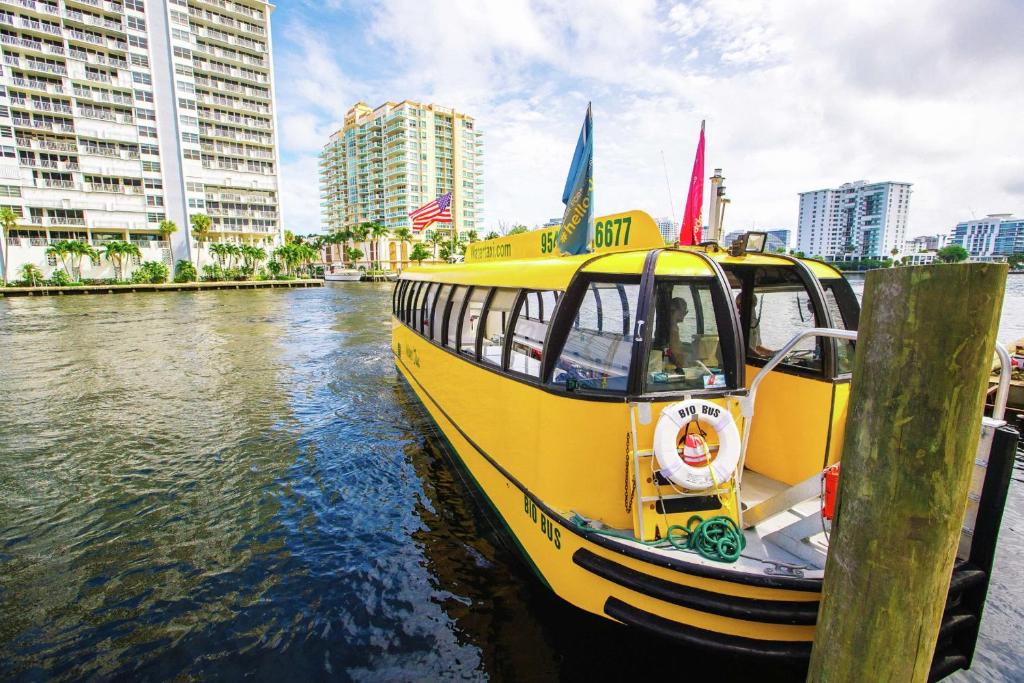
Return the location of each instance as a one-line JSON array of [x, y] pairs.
[[389, 161], [998, 234], [777, 239], [669, 229], [856, 220], [916, 245], [116, 116]]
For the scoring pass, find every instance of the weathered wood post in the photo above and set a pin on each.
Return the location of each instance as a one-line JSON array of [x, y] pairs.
[[923, 356]]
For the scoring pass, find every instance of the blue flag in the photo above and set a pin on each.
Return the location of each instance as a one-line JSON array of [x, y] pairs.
[[578, 196]]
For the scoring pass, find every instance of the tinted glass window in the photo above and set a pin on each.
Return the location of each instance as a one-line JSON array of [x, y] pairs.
[[685, 351], [779, 313], [596, 354], [471, 319], [532, 322], [499, 311], [416, 305], [437, 318], [452, 312], [426, 306]]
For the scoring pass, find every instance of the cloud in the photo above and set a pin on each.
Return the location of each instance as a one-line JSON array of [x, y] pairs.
[[797, 96]]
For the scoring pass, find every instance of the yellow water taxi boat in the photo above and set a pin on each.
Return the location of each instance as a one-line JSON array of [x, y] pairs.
[[656, 427]]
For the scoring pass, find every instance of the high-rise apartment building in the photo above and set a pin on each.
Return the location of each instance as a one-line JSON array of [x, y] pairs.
[[859, 219], [386, 162], [115, 115], [998, 234]]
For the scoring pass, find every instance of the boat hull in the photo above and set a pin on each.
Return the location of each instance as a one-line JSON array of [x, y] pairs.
[[343, 277], [762, 615]]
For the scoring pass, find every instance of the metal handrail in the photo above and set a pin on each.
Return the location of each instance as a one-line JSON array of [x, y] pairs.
[[747, 402], [1003, 389]]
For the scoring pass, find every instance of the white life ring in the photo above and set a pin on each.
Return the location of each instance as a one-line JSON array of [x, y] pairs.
[[666, 435]]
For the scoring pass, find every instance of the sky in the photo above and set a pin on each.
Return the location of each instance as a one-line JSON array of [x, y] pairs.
[[796, 95]]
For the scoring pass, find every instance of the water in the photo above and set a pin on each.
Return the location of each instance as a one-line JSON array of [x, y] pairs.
[[224, 484]]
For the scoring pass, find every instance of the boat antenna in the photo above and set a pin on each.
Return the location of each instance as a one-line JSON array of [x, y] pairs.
[[671, 206]]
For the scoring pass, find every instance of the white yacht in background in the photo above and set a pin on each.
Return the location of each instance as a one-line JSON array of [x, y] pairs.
[[342, 275]]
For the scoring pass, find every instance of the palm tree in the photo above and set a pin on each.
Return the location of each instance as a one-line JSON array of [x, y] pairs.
[[252, 256], [306, 255], [168, 228], [31, 274], [435, 238], [8, 221], [201, 224], [419, 252], [77, 250], [403, 235], [471, 236], [354, 254], [492, 235], [60, 250], [116, 251], [290, 255], [220, 250]]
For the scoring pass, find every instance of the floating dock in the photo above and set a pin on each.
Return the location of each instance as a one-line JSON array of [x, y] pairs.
[[163, 287]]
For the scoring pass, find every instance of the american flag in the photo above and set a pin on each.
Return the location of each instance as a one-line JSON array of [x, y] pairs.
[[437, 211]]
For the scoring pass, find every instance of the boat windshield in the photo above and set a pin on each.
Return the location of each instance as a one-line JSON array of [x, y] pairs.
[[685, 352]]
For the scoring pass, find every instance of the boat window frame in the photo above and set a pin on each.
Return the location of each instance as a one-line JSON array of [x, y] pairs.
[[414, 303], [394, 295], [561, 325], [524, 292], [479, 330], [458, 325], [484, 312], [723, 308], [433, 312], [410, 299], [429, 296], [745, 273]]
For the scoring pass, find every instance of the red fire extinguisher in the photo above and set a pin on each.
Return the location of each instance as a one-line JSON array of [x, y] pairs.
[[828, 508]]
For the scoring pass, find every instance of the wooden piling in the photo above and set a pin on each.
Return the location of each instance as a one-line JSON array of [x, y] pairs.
[[924, 351]]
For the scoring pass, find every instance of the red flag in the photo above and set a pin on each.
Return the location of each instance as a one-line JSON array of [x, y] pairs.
[[690, 233]]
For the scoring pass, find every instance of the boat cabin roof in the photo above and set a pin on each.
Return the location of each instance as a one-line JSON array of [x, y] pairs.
[[530, 259]]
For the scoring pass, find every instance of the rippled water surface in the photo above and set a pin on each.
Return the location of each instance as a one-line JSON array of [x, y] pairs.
[[224, 484]]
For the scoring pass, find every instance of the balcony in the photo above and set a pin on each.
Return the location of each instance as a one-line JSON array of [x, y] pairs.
[[49, 183], [43, 125], [47, 145], [104, 115], [41, 86], [36, 45], [38, 105]]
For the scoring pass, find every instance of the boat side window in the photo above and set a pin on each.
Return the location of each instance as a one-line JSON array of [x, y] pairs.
[[531, 328], [598, 347], [426, 306], [395, 294], [410, 293], [452, 313], [496, 319], [471, 320], [402, 284], [685, 352], [778, 312], [416, 305], [844, 347], [437, 313]]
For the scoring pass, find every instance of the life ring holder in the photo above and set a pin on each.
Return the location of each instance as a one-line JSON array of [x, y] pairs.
[[674, 418]]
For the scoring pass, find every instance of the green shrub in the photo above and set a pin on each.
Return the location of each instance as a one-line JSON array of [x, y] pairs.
[[150, 272], [274, 268], [184, 271], [59, 279]]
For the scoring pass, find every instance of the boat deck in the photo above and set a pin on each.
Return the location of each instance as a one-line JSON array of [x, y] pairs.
[[761, 556]]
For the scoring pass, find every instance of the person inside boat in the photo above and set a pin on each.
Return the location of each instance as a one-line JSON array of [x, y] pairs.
[[754, 345], [669, 353]]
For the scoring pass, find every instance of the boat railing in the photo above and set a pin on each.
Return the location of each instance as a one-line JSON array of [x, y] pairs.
[[747, 402]]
